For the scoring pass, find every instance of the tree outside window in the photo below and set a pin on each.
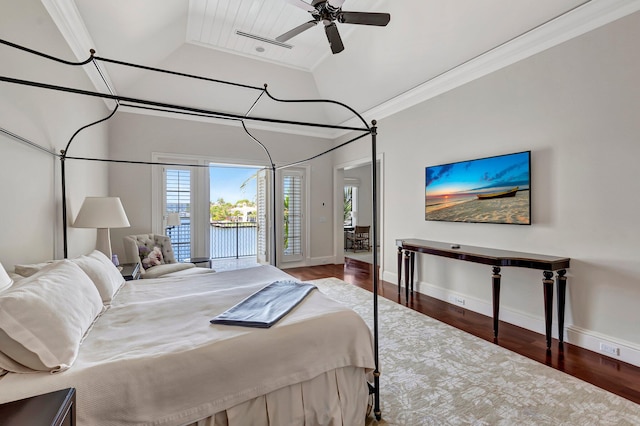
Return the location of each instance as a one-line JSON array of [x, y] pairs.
[[350, 205]]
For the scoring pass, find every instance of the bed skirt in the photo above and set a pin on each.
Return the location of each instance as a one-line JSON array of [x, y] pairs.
[[337, 397]]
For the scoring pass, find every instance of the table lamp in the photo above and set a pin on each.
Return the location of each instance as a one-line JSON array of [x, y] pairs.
[[173, 219], [102, 213]]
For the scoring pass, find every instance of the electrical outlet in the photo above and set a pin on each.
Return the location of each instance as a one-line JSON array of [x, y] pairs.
[[608, 349], [456, 300]]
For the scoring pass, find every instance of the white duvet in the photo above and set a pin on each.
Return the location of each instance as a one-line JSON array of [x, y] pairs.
[[154, 358]]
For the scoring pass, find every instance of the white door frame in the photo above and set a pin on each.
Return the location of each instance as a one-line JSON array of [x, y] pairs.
[[338, 190]]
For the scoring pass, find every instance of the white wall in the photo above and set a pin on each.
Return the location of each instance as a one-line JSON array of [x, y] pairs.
[[577, 108], [363, 176], [29, 178], [136, 137]]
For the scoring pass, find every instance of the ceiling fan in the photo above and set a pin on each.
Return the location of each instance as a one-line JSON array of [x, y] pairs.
[[330, 11]]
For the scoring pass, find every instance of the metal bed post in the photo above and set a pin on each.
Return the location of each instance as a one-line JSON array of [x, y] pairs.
[[374, 196]]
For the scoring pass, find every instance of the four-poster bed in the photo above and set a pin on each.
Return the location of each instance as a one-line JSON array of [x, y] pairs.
[[159, 289]]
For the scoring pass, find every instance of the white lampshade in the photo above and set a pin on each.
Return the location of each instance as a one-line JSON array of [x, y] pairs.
[[173, 219], [102, 213], [5, 279]]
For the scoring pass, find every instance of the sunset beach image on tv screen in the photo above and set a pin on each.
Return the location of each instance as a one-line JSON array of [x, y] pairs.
[[487, 190]]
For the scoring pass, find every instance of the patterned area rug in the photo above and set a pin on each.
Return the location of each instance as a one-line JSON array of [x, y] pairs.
[[434, 374]]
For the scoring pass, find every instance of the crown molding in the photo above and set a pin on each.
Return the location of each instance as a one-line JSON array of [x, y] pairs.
[[580, 20], [66, 16]]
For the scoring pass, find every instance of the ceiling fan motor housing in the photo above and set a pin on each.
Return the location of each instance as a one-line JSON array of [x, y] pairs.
[[325, 10]]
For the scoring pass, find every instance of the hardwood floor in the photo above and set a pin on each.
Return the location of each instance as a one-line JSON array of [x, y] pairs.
[[607, 373]]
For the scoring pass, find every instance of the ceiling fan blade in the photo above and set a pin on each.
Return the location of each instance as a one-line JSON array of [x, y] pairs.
[[297, 30], [364, 18], [334, 38], [303, 5]]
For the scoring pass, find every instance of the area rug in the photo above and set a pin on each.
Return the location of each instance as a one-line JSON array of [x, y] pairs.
[[435, 374]]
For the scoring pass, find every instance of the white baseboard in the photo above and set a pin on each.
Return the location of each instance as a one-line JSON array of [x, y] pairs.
[[627, 352], [484, 307], [312, 261]]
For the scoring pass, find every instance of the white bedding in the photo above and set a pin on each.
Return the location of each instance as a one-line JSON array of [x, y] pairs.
[[154, 358]]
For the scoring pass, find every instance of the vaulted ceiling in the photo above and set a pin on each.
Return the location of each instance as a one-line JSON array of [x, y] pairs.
[[428, 47]]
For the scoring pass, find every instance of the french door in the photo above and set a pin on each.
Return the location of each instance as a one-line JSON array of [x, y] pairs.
[[185, 190]]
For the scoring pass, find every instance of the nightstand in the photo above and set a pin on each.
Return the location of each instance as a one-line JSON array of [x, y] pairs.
[[50, 409], [130, 271], [199, 261]]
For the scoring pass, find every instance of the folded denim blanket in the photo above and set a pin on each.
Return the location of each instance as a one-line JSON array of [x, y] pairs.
[[266, 306]]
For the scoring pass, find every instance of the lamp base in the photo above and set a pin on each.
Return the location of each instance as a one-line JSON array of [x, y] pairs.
[[103, 241]]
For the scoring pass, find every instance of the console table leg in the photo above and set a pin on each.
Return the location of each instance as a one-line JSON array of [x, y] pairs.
[[407, 254], [547, 283], [413, 268], [561, 282], [496, 298], [399, 269]]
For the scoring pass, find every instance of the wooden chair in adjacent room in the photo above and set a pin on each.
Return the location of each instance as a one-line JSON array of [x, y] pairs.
[[359, 238]]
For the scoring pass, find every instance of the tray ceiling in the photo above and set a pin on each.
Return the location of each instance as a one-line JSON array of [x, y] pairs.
[[428, 47]]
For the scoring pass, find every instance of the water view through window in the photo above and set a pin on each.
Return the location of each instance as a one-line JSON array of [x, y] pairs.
[[232, 211]]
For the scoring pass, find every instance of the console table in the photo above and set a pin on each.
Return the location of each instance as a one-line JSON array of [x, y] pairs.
[[496, 258]]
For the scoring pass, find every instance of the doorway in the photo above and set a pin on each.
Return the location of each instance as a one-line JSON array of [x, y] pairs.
[[355, 207], [233, 211]]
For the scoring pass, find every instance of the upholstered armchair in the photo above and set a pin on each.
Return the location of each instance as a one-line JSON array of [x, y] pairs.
[[134, 244]]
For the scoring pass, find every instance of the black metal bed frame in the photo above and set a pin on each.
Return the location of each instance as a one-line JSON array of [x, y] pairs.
[[186, 110]]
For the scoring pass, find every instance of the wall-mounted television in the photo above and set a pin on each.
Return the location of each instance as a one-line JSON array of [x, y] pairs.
[[485, 190]]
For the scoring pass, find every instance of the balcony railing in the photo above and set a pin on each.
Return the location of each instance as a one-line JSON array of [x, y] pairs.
[[228, 239], [233, 239]]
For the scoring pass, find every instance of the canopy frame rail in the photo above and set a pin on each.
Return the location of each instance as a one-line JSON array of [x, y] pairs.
[[182, 109]]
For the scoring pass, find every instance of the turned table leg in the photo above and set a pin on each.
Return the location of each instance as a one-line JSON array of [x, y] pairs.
[[399, 269], [412, 261], [495, 278], [547, 284], [407, 269], [561, 282]]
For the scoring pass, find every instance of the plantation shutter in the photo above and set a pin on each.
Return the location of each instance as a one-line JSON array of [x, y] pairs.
[[177, 184], [293, 209], [262, 216]]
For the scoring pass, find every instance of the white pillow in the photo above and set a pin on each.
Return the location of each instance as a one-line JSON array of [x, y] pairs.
[[45, 317], [15, 277], [29, 269], [103, 273]]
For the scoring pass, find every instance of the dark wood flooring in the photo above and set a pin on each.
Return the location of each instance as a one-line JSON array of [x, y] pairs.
[[607, 373]]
